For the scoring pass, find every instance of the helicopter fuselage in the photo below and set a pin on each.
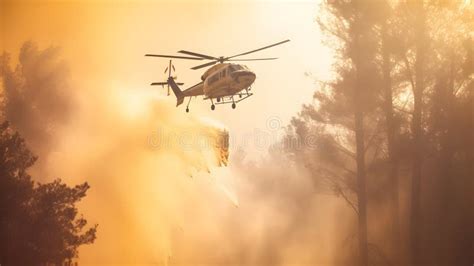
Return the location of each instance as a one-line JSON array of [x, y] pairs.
[[226, 80]]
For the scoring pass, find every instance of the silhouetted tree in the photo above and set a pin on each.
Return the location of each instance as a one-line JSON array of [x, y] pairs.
[[39, 223], [391, 127], [352, 23]]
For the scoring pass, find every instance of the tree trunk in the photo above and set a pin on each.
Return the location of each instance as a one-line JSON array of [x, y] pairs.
[[470, 151], [448, 203], [391, 131], [360, 151], [417, 133], [361, 186]]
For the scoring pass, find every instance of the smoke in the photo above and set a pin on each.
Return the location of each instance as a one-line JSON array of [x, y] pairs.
[[157, 191], [141, 158], [37, 95]]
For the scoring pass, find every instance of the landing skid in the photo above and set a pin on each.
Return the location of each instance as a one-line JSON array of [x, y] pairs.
[[238, 97], [232, 99]]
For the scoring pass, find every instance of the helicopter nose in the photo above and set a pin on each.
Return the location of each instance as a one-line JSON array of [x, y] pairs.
[[244, 76]]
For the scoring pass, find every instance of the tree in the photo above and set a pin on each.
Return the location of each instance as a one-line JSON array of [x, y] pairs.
[[391, 127], [39, 223], [353, 24], [418, 89]]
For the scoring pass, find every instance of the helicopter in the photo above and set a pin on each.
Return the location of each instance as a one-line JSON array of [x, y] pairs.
[[221, 82]]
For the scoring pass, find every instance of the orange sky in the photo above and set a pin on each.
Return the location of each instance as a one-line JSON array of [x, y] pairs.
[[104, 42]]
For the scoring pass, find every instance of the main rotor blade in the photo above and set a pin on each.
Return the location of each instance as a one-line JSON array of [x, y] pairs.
[[198, 55], [205, 65], [164, 83], [174, 56], [253, 59], [166, 69], [253, 51]]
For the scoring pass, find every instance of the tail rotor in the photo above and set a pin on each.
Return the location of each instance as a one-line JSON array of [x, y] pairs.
[[169, 69]]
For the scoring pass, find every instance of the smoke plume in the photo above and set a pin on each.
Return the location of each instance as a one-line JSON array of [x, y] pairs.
[[157, 191]]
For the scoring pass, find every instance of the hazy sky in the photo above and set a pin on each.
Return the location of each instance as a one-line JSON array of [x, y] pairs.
[[105, 43]]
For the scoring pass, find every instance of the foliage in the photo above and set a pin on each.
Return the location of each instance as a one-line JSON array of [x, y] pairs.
[[37, 96], [39, 223]]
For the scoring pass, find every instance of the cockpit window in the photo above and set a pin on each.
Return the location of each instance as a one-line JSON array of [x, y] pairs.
[[233, 68]]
